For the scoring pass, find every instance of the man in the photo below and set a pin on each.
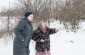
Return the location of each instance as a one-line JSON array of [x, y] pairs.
[[23, 32]]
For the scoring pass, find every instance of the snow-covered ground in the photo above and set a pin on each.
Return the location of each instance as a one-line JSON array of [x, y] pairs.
[[6, 47], [70, 43], [62, 43]]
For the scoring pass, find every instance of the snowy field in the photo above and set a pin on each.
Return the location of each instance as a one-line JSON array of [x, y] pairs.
[[62, 43]]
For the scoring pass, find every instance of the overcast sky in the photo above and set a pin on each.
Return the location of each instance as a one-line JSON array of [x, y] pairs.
[[5, 3]]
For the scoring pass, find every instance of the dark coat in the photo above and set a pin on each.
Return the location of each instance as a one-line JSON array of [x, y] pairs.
[[38, 34], [23, 32]]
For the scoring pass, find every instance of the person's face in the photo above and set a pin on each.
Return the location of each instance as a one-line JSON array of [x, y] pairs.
[[30, 17], [43, 25]]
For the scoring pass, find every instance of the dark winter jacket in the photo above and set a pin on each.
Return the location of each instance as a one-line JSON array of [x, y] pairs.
[[23, 32], [38, 34]]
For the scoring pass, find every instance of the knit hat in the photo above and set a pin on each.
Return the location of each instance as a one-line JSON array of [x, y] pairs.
[[27, 14]]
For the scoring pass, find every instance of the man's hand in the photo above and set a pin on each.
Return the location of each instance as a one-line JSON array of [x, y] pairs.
[[22, 39]]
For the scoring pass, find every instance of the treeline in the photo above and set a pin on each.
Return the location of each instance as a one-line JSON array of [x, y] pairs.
[[67, 11]]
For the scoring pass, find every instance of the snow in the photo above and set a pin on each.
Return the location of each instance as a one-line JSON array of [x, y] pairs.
[[6, 48], [62, 42], [71, 43]]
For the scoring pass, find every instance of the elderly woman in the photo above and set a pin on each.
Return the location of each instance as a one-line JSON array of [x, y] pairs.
[[42, 39]]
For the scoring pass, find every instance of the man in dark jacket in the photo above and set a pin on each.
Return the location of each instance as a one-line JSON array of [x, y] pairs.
[[23, 32]]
